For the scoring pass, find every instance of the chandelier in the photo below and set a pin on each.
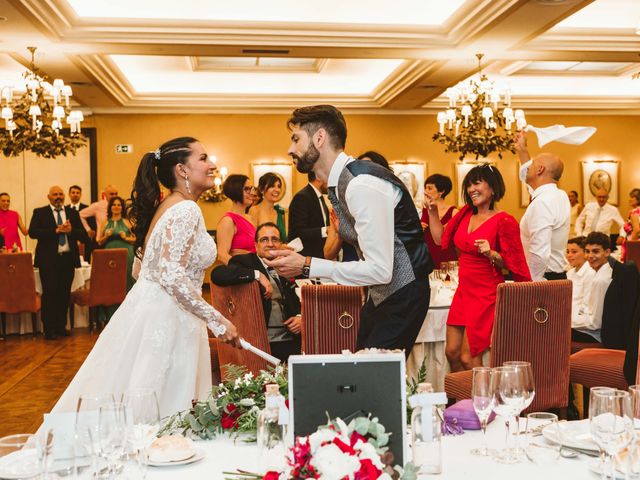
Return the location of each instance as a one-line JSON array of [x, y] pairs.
[[215, 193], [474, 124], [33, 112]]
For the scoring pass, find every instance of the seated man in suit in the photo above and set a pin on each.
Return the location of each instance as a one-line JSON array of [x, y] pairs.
[[586, 317], [280, 302]]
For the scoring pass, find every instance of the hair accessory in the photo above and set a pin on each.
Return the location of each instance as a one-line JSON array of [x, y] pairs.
[[156, 153]]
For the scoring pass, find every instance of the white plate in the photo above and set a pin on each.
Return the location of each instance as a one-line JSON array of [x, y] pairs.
[[573, 434], [20, 464], [196, 457]]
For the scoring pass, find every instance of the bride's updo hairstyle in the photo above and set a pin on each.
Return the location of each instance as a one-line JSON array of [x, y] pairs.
[[155, 168]]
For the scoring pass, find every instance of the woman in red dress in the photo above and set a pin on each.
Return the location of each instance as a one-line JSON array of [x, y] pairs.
[[488, 241], [436, 188]]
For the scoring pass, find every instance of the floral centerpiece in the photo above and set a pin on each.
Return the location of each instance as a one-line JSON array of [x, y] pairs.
[[337, 451], [233, 405]]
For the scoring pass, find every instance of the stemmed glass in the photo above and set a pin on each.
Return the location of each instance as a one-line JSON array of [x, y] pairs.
[[611, 420], [112, 434], [529, 388], [88, 422], [482, 403], [634, 449], [143, 414], [509, 396]]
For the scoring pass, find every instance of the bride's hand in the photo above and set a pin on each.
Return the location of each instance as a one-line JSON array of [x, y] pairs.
[[231, 335]]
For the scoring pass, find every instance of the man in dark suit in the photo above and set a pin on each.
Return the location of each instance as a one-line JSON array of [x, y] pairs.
[[75, 193], [57, 230], [309, 218], [279, 300]]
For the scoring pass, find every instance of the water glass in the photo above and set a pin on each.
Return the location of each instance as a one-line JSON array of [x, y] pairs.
[[482, 398], [112, 434], [537, 449], [143, 415], [529, 388], [66, 456], [611, 420], [20, 456], [509, 397]]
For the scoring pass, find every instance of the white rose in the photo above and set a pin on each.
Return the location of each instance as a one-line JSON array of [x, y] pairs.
[[318, 438], [332, 464], [366, 450]]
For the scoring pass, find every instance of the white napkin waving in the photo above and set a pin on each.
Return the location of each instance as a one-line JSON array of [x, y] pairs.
[[562, 134]]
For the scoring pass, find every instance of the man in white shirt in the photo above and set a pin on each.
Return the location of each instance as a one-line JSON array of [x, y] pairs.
[[377, 216], [98, 210], [544, 227], [586, 319], [598, 216]]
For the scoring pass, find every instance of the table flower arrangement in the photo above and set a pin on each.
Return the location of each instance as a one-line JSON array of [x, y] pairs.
[[233, 405], [337, 451]]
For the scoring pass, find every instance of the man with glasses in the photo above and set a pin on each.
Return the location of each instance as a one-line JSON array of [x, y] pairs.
[[279, 300]]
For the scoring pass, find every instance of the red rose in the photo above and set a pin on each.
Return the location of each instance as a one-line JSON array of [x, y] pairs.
[[229, 419], [367, 471], [344, 448], [355, 436], [271, 476]]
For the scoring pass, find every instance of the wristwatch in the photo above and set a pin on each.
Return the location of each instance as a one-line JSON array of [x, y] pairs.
[[306, 268]]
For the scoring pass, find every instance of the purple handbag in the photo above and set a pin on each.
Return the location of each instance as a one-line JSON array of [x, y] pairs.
[[462, 414]]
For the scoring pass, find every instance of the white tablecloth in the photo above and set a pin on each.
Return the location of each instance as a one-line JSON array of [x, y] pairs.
[[21, 323], [223, 454]]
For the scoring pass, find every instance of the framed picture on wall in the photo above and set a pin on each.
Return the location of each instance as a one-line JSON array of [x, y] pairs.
[[462, 168], [284, 171], [600, 175], [412, 175]]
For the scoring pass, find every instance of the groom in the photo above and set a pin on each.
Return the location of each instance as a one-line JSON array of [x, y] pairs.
[[378, 217]]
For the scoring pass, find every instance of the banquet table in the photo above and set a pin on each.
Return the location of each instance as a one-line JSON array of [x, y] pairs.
[[21, 323], [224, 454], [430, 343]]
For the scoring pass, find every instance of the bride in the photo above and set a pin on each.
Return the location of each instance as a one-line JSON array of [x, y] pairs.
[[158, 337]]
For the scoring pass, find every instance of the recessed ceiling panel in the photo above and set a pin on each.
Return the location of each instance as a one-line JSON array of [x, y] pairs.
[[604, 14], [571, 86], [382, 12], [569, 67], [166, 74]]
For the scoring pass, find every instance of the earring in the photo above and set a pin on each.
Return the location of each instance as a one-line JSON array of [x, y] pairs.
[[186, 183]]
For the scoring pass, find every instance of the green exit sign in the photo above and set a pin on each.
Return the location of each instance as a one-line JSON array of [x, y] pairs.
[[122, 148]]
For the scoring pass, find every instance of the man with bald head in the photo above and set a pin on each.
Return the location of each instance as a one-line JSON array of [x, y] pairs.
[[598, 216], [98, 210], [544, 227], [57, 229]]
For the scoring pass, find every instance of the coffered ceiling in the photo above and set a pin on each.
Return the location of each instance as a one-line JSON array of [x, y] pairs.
[[361, 55]]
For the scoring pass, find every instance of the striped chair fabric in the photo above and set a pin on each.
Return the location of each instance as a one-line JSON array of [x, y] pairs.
[[598, 367], [16, 271], [532, 324], [633, 251], [578, 346], [242, 305], [330, 318]]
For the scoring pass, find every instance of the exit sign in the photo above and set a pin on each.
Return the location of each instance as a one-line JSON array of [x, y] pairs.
[[121, 148]]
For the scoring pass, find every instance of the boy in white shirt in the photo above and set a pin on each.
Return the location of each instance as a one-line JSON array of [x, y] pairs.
[[581, 274], [586, 316]]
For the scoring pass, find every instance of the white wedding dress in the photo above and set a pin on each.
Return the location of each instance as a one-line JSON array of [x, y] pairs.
[[158, 337]]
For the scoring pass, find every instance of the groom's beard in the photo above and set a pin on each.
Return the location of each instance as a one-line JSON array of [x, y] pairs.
[[305, 163]]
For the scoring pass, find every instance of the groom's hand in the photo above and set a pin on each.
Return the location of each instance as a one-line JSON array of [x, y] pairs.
[[287, 263]]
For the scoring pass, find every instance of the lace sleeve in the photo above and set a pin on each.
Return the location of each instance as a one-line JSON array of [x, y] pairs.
[[174, 254]]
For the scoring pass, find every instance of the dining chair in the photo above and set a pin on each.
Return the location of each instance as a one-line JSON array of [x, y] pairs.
[[242, 306], [108, 285], [533, 324], [18, 294], [633, 251], [330, 318]]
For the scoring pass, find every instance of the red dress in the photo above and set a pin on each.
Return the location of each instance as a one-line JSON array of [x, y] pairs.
[[438, 254], [474, 302]]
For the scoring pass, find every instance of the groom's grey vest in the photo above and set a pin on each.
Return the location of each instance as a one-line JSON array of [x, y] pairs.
[[411, 257]]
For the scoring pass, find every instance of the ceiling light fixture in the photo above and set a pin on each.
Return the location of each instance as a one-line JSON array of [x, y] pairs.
[[474, 124], [33, 112]]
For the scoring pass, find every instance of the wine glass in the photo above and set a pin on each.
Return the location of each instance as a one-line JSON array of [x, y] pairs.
[[112, 434], [508, 394], [634, 449], [529, 388], [143, 415], [482, 403], [611, 421], [87, 423]]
